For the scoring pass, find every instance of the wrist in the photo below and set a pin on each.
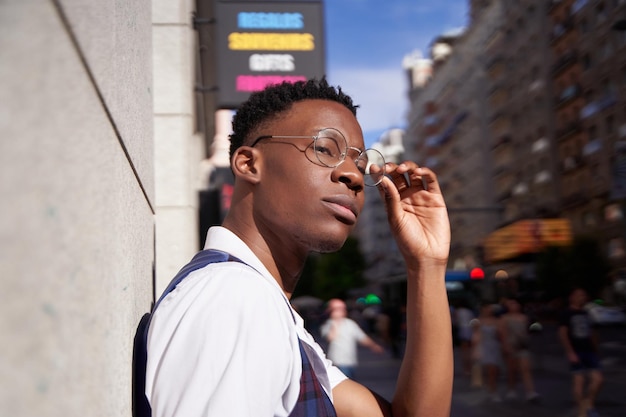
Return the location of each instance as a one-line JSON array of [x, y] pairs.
[[428, 266]]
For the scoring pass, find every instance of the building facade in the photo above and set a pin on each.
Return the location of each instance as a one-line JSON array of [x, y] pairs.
[[589, 75], [549, 79], [448, 131]]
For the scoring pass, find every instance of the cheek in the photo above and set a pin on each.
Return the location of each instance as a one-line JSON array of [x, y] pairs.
[[296, 173]]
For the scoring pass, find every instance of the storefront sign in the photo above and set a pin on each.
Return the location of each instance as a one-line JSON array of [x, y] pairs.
[[261, 43]]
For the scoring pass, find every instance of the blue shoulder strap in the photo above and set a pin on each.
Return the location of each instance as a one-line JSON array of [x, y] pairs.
[[199, 261], [141, 406]]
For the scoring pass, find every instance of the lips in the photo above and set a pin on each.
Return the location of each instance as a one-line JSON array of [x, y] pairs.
[[344, 208]]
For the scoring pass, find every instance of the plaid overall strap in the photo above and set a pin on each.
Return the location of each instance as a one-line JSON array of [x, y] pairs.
[[313, 400]]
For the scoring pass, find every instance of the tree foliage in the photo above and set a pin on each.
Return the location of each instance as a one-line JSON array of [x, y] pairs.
[[332, 275]]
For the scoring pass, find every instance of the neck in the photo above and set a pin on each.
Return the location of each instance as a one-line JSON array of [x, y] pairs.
[[284, 263]]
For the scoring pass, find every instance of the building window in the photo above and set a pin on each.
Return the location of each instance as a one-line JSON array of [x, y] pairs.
[[578, 5], [610, 124], [589, 219], [584, 26], [613, 212], [600, 13], [593, 131], [607, 48], [621, 37], [608, 87], [616, 248]]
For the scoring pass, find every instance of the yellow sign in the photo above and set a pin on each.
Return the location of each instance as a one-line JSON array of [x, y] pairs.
[[526, 236], [271, 41]]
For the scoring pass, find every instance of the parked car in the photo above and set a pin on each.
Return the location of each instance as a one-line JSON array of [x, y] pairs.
[[605, 315]]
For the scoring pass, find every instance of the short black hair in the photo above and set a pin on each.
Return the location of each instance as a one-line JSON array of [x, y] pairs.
[[264, 105]]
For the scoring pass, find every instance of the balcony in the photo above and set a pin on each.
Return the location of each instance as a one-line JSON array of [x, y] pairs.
[[564, 61], [560, 29], [568, 130], [608, 100], [573, 200], [571, 164], [569, 93], [501, 141], [501, 168], [503, 195], [577, 6], [554, 4], [592, 147]]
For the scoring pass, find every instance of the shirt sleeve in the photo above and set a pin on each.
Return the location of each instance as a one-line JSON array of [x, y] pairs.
[[356, 330], [325, 329], [217, 347]]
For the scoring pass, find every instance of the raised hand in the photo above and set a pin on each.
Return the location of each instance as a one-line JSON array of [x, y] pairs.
[[416, 212]]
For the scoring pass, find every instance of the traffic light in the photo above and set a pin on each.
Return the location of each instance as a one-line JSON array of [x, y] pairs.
[[477, 273]]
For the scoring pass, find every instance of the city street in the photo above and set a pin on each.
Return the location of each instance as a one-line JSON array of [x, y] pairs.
[[551, 374]]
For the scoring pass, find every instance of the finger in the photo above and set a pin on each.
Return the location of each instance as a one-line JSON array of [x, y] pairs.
[[428, 179], [388, 190], [399, 174], [400, 180]]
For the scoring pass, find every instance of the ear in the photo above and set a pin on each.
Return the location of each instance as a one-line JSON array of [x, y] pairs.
[[245, 164]]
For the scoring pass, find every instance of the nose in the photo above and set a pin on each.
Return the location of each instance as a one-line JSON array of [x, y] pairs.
[[348, 173]]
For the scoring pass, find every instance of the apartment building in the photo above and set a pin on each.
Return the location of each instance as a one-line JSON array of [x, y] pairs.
[[448, 131], [549, 79], [589, 76], [520, 114]]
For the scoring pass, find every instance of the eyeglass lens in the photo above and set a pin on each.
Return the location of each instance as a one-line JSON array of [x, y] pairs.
[[331, 147]]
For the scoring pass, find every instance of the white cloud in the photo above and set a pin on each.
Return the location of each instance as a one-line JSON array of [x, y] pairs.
[[381, 94]]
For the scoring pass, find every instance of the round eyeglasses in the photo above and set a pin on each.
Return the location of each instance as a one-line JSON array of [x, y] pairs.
[[331, 149]]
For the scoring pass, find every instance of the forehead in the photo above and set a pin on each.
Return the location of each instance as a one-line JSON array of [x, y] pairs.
[[309, 116]]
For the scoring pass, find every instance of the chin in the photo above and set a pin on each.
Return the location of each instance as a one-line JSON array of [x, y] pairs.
[[329, 246]]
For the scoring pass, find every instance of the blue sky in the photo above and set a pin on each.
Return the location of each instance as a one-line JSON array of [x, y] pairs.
[[366, 41]]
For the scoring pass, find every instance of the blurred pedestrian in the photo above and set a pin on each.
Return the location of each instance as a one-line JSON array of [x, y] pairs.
[[343, 336], [489, 337], [476, 378], [226, 342], [391, 323], [580, 342], [464, 317], [517, 350]]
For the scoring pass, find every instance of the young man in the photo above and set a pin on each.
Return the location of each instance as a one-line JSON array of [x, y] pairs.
[[226, 342], [581, 347]]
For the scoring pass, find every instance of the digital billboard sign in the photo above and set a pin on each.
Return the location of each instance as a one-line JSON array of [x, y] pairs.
[[260, 43], [526, 236]]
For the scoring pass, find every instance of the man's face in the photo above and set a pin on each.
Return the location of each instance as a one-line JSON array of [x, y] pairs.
[[299, 201]]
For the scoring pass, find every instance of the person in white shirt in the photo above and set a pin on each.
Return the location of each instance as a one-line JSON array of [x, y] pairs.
[[226, 342], [344, 335]]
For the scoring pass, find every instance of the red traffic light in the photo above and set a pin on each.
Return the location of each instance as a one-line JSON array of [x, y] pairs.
[[477, 273]]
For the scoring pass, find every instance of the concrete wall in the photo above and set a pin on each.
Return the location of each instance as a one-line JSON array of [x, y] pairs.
[[178, 149], [77, 209]]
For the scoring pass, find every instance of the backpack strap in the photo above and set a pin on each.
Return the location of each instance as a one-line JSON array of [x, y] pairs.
[[141, 406], [199, 261]]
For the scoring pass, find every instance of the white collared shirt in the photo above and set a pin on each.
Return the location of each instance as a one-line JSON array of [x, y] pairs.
[[225, 342]]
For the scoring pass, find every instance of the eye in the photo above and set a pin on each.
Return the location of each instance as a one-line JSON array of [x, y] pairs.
[[327, 147], [362, 163]]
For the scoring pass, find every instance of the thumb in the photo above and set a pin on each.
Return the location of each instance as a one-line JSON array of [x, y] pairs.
[[390, 195]]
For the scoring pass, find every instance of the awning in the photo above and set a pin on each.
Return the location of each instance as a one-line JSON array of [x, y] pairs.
[[526, 237]]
